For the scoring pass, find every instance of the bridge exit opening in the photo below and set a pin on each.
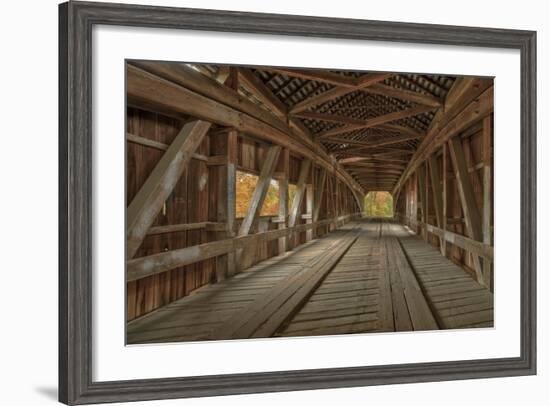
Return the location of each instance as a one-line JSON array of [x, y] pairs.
[[379, 204]]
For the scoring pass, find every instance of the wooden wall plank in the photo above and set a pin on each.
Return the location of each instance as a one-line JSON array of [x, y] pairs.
[[149, 200]]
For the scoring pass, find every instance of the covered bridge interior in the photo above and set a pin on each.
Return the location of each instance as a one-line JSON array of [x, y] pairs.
[[316, 142]]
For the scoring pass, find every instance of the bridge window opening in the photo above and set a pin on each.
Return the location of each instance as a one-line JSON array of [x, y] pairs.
[[379, 204], [291, 194], [245, 185]]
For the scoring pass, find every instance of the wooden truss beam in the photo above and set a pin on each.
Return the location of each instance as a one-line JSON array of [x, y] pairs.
[[367, 158], [152, 92], [372, 144], [373, 122], [376, 150], [332, 118], [283, 200], [468, 101], [319, 75], [402, 94], [258, 197], [254, 85], [226, 202], [142, 267], [148, 202], [374, 164], [487, 190], [243, 258], [299, 195], [467, 197], [319, 190], [421, 176], [146, 142], [437, 192], [444, 197], [339, 91]]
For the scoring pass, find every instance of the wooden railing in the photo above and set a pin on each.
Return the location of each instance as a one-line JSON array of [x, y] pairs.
[[475, 247], [154, 264]]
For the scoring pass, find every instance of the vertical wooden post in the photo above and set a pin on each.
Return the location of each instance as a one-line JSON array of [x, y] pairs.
[[427, 201], [444, 202], [394, 204], [243, 258], [337, 196], [421, 174], [487, 184], [226, 184], [467, 198], [297, 202], [283, 199], [437, 193], [310, 201], [319, 189]]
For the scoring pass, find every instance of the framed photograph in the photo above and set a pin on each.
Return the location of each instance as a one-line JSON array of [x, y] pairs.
[[257, 203]]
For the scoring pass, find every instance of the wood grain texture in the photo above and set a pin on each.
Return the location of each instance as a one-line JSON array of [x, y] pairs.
[[148, 201], [76, 385], [368, 276]]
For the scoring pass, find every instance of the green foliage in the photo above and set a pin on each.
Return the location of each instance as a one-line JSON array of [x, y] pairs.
[[379, 204]]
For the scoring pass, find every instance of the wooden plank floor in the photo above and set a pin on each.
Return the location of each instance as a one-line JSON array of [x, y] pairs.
[[457, 300], [365, 277]]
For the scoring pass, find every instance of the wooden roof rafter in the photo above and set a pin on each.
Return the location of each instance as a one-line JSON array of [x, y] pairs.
[[361, 83], [319, 75], [383, 119], [415, 97], [467, 101]]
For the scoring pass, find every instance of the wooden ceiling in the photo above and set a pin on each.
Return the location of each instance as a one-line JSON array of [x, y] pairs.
[[370, 122]]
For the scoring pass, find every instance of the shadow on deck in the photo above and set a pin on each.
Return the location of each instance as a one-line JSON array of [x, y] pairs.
[[367, 276]]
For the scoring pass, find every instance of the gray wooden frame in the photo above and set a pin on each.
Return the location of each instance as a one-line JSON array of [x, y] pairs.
[[76, 20]]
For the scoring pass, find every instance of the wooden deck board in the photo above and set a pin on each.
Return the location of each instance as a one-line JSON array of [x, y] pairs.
[[385, 279]]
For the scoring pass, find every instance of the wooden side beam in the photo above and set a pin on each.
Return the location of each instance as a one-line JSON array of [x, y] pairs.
[[136, 139], [142, 267], [147, 203]]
